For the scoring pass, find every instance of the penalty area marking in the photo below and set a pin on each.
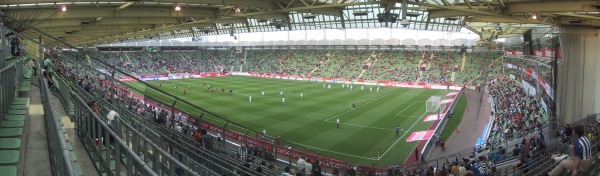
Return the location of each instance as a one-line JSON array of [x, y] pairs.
[[311, 147], [385, 95], [417, 121], [398, 114]]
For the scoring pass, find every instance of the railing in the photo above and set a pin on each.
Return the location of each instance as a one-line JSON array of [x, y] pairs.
[[9, 83], [60, 157], [109, 147], [198, 159], [541, 162]]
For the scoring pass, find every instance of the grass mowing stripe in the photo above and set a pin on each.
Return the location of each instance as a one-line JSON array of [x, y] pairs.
[[302, 122]]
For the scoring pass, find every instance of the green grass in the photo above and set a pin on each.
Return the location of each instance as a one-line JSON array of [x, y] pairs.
[[459, 111], [309, 123]]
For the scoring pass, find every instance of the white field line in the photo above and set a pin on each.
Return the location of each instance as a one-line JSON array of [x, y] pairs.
[[357, 107], [417, 121], [387, 129], [311, 147], [397, 114], [407, 116], [394, 144]]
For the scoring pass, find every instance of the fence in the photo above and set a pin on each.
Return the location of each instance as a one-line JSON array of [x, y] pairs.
[[10, 81], [540, 162], [60, 156], [190, 156]]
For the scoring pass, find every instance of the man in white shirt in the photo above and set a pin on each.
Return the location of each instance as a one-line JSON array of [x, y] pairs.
[[179, 128], [338, 123], [250, 98], [283, 100], [300, 164], [301, 95], [307, 167], [264, 132]]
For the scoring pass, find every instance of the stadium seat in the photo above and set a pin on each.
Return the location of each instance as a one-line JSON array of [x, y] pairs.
[[11, 132], [10, 143], [8, 170], [9, 156]]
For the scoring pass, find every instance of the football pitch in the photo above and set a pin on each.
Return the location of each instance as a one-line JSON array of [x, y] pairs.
[[309, 120]]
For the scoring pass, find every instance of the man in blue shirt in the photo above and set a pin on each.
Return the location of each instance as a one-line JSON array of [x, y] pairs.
[[581, 159]]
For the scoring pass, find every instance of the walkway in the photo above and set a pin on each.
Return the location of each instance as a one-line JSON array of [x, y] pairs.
[[471, 126], [36, 157], [36, 154]]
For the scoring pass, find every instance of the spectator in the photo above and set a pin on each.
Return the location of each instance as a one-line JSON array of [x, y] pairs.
[[581, 159], [316, 169], [300, 164], [207, 140]]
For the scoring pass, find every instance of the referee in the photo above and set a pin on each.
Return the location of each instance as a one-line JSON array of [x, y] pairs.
[[581, 158]]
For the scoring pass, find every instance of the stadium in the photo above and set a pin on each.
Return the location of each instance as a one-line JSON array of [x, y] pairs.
[[299, 87]]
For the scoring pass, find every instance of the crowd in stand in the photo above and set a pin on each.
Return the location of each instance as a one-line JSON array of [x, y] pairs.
[[391, 65], [517, 113]]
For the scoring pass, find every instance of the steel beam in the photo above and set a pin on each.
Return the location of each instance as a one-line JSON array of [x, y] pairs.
[[551, 7], [244, 3], [104, 21], [484, 13], [93, 13], [454, 13]]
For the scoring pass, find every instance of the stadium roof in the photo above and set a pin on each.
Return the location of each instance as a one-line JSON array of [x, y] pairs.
[[90, 22]]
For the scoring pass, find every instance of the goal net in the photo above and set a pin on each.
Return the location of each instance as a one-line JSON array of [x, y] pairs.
[[433, 104]]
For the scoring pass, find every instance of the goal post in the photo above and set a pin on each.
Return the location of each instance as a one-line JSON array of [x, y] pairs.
[[433, 104]]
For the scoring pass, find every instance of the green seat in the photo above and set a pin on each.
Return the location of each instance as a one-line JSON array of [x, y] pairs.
[[69, 146], [12, 123], [9, 156], [18, 107], [11, 132], [10, 143], [17, 112], [73, 156], [21, 99], [78, 169], [14, 117], [20, 102], [8, 170]]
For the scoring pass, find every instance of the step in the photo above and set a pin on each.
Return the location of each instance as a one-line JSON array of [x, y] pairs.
[[8, 170], [73, 156], [17, 112], [78, 169], [20, 101], [10, 143], [11, 132], [9, 156], [18, 107], [12, 123], [14, 117]]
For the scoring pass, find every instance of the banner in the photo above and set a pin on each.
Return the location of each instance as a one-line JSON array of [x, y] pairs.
[[452, 94], [420, 135], [446, 101], [530, 90], [434, 117]]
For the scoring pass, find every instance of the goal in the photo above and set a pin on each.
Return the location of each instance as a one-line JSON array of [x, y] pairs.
[[433, 104]]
